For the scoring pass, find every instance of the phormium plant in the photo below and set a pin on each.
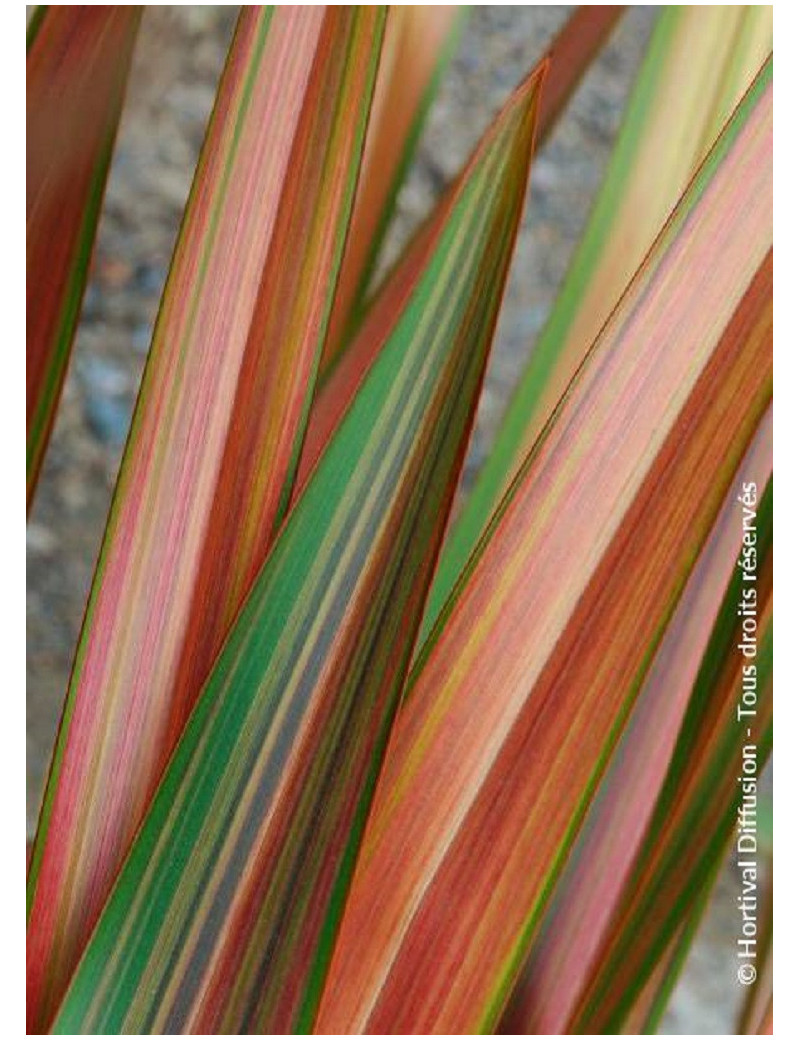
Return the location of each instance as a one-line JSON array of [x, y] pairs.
[[336, 757]]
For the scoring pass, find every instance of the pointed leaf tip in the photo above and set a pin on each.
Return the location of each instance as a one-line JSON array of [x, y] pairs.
[[339, 383]]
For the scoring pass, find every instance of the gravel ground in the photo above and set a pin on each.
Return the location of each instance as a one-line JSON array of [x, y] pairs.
[[178, 59]]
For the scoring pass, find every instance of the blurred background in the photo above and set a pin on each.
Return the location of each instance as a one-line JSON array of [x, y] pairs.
[[178, 60]]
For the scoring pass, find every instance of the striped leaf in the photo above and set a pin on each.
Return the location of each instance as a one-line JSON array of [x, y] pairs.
[[340, 381], [77, 66], [664, 890], [699, 63], [419, 41], [692, 824], [569, 948], [224, 913], [571, 52], [519, 695], [647, 1010], [210, 462]]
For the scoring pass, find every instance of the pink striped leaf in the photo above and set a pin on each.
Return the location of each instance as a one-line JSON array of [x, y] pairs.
[[211, 459]]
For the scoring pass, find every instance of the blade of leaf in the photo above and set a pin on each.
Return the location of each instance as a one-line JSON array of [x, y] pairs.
[[224, 913], [520, 692], [419, 42], [690, 829], [646, 1013], [77, 67], [210, 462], [572, 51], [338, 385], [699, 63], [592, 889]]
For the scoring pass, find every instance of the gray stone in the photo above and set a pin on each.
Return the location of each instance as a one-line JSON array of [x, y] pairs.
[[109, 419]]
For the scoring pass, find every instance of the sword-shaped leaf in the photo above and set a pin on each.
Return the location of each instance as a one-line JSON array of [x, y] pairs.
[[570, 55], [699, 63], [648, 1008], [702, 636], [77, 67], [210, 462], [517, 698], [223, 915]]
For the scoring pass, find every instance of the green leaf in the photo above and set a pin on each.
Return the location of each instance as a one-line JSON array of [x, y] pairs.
[[224, 913]]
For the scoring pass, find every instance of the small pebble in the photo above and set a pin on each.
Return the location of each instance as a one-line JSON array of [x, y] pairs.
[[113, 272], [103, 377], [109, 419], [149, 278], [140, 339], [40, 539]]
